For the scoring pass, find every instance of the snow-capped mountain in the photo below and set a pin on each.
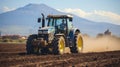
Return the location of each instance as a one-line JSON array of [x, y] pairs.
[[24, 21]]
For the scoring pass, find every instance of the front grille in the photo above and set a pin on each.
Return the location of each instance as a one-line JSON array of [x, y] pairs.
[[44, 36]]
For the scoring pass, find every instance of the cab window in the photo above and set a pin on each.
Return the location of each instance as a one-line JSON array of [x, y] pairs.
[[70, 25]]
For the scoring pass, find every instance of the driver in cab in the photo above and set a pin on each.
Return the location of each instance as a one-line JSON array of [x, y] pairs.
[[63, 26]]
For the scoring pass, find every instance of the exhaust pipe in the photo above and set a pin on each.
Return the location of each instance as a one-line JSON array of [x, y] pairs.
[[43, 20]]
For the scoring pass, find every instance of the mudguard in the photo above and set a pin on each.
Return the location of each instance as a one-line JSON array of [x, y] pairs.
[[72, 35]]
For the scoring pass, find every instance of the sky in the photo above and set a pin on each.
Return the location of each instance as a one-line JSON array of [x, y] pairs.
[[95, 10]]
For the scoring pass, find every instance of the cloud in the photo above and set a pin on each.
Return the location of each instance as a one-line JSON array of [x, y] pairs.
[[113, 17], [77, 11], [5, 9], [95, 15]]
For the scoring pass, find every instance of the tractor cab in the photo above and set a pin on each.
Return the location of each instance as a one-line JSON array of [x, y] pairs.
[[62, 23]]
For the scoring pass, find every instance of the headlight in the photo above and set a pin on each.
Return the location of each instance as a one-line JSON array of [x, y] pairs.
[[45, 32], [40, 32]]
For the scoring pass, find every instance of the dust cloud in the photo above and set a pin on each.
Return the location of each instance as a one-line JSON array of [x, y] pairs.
[[101, 44]]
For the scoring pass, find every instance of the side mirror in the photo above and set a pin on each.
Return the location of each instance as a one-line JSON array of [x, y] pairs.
[[70, 19], [39, 20]]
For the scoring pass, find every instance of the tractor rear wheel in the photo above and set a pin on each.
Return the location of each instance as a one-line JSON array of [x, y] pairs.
[[78, 44], [59, 45], [29, 46]]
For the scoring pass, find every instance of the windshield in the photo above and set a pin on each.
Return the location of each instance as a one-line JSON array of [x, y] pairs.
[[56, 21], [50, 22]]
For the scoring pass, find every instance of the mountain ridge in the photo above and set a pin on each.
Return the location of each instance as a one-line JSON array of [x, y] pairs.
[[24, 21]]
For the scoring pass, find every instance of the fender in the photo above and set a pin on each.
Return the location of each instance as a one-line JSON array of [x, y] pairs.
[[72, 32], [72, 35]]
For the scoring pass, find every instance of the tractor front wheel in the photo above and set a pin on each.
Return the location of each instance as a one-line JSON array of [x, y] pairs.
[[29, 46], [59, 45]]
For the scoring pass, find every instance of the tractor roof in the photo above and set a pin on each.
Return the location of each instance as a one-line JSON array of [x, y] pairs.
[[59, 16]]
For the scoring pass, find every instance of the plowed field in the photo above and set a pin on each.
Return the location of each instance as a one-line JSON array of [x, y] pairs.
[[14, 55]]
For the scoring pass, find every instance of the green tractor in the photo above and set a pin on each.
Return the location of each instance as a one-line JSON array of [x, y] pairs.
[[54, 36]]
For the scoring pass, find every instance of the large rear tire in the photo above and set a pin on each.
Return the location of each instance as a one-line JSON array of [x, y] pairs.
[[78, 44], [59, 45], [29, 46]]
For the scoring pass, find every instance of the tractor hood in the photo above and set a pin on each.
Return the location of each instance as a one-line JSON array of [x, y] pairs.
[[46, 30]]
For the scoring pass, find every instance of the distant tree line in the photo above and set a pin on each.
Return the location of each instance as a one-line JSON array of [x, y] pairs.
[[12, 38]]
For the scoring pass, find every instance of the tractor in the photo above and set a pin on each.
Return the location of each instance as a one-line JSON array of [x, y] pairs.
[[55, 34]]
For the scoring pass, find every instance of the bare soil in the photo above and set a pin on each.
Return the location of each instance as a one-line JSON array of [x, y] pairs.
[[14, 55]]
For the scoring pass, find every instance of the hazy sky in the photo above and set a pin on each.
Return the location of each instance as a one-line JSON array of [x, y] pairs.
[[96, 10]]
